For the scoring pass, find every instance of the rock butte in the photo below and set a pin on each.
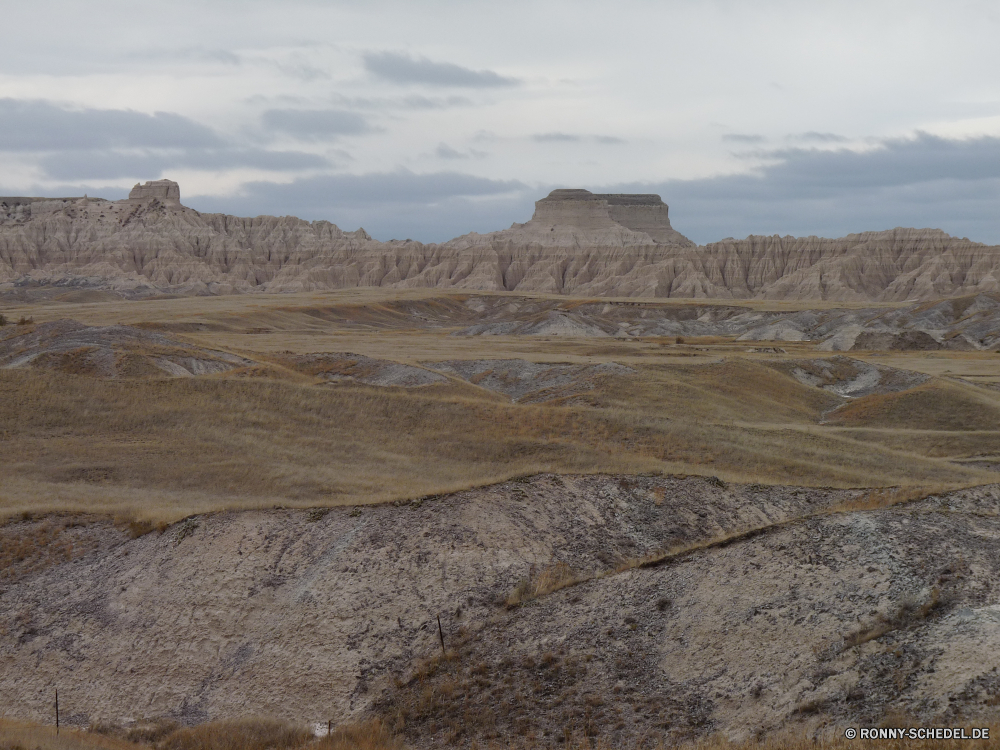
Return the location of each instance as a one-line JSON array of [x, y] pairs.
[[577, 242], [167, 191]]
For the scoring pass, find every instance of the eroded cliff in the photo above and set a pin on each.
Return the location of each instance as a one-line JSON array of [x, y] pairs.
[[577, 243]]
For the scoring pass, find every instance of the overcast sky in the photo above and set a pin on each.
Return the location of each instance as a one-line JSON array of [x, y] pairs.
[[429, 120]]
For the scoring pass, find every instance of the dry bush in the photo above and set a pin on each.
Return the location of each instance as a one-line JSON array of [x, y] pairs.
[[885, 497], [909, 612], [368, 735], [472, 697], [149, 731], [16, 735], [551, 578], [834, 741], [252, 733], [26, 549], [137, 527]]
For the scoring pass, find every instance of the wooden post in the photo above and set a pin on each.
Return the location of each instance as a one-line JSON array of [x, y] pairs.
[[441, 636], [329, 727], [57, 710]]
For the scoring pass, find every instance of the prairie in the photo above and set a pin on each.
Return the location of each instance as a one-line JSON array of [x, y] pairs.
[[276, 433]]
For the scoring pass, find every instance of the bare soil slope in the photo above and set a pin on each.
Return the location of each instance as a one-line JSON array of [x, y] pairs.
[[804, 618]]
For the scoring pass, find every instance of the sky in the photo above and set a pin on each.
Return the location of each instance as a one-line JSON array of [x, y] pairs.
[[433, 119]]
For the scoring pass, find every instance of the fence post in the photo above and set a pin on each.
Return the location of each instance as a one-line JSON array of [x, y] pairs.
[[441, 636]]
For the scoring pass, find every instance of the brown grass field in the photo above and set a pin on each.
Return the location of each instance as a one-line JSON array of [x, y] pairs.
[[160, 449], [270, 734]]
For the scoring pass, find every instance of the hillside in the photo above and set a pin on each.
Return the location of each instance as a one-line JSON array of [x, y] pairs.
[[637, 520], [620, 607], [577, 243]]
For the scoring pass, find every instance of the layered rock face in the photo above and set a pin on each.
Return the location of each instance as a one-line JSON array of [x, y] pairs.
[[579, 218], [167, 191], [577, 243]]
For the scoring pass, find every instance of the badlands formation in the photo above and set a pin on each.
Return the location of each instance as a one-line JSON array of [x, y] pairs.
[[577, 243], [629, 521]]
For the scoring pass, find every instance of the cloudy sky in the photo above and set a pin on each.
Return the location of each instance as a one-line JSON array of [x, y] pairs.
[[428, 120]]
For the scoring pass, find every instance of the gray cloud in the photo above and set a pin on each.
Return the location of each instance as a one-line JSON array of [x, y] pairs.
[[555, 138], [812, 135], [444, 151], [423, 102], [302, 71], [414, 101], [743, 138], [36, 125], [604, 140], [110, 165], [190, 53], [401, 204], [314, 124], [400, 68], [897, 161], [924, 181]]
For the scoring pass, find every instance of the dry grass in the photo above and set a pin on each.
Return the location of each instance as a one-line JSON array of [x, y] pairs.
[[367, 735], [27, 548], [909, 612], [885, 497], [18, 735], [551, 578], [779, 742], [936, 405], [265, 436], [238, 734], [161, 450], [376, 735], [458, 700]]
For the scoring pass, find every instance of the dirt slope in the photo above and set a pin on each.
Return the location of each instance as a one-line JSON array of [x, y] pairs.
[[108, 351], [321, 615]]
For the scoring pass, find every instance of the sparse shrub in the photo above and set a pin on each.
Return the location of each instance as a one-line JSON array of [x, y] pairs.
[[107, 728], [909, 612], [556, 576], [187, 528], [369, 735], [25, 321], [238, 734], [3, 320], [520, 594], [149, 731], [137, 527], [317, 514]]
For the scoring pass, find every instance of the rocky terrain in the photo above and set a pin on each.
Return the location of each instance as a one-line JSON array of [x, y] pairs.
[[108, 351], [577, 243], [963, 324], [617, 606], [260, 505]]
